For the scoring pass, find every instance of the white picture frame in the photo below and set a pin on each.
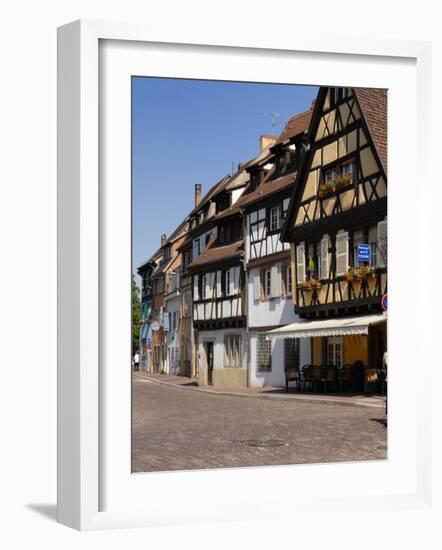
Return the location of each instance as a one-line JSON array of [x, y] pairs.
[[86, 458]]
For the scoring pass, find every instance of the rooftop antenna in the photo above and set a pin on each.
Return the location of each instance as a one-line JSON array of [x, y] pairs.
[[274, 117], [233, 167]]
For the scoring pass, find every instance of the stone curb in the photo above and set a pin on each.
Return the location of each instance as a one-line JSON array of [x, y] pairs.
[[296, 399]]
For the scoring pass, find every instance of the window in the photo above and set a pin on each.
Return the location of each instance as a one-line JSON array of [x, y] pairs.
[[264, 353], [201, 287], [291, 353], [373, 242], [337, 95], [288, 283], [330, 175], [358, 238], [319, 260], [335, 351], [348, 169], [275, 218], [232, 352], [196, 248], [204, 286], [225, 282], [382, 255], [268, 283]]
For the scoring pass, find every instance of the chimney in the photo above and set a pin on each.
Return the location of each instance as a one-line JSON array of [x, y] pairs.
[[163, 239], [197, 193], [266, 141]]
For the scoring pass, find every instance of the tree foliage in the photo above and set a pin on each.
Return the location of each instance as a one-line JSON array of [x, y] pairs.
[[136, 315]]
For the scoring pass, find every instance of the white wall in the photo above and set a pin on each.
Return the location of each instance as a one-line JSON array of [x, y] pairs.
[[274, 377], [172, 305], [272, 312], [269, 313], [217, 337]]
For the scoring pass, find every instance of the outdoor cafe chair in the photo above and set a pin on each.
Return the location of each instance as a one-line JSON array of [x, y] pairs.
[[347, 377], [316, 377], [331, 378], [291, 375], [344, 376], [306, 379]]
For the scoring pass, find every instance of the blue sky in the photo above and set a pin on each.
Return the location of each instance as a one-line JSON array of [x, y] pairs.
[[190, 131]]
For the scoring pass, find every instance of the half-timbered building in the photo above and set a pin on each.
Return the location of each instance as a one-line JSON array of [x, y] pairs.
[[269, 279], [217, 268], [145, 271], [337, 227], [172, 301]]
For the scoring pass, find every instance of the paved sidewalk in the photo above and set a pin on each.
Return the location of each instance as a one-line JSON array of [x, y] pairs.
[[267, 392]]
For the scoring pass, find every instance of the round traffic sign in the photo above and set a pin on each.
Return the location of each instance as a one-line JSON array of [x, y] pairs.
[[385, 302]]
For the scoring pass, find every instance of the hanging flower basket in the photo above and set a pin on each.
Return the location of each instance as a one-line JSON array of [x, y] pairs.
[[359, 273]]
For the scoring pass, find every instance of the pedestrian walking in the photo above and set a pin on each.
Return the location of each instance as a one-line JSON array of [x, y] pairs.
[[136, 361]]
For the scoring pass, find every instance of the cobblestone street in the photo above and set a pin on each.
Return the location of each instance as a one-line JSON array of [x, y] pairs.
[[175, 429]]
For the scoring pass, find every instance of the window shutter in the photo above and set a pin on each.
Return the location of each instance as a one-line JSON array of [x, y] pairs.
[[212, 284], [208, 290], [341, 253], [324, 257], [256, 286], [300, 263], [382, 255], [232, 281], [218, 284], [236, 274], [275, 280], [195, 287], [283, 272]]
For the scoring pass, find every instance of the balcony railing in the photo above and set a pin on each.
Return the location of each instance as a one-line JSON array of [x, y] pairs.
[[342, 292]]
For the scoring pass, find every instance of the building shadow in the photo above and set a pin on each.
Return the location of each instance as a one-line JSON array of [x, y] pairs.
[[382, 421], [48, 511]]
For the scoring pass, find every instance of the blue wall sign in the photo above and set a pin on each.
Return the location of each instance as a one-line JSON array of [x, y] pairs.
[[364, 252]]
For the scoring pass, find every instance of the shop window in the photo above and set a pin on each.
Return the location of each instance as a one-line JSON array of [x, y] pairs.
[[291, 353], [264, 353]]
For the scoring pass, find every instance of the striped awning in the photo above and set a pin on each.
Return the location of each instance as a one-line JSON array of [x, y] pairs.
[[340, 326]]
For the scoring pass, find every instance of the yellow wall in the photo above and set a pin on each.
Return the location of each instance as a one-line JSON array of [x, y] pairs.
[[230, 378], [355, 348], [317, 355]]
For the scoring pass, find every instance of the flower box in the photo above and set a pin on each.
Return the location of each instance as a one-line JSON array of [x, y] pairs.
[[311, 284], [359, 273], [329, 187]]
